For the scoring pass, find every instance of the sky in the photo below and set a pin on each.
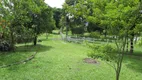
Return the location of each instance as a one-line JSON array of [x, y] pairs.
[[55, 3]]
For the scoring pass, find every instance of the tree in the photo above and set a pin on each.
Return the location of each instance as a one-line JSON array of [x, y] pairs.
[[75, 15], [71, 2], [26, 15], [57, 16], [6, 16], [111, 16]]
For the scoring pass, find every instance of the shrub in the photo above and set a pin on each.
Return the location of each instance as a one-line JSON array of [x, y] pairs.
[[4, 45], [77, 30], [106, 52], [95, 34], [86, 35]]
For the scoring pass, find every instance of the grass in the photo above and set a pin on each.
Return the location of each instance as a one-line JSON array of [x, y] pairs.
[[58, 60]]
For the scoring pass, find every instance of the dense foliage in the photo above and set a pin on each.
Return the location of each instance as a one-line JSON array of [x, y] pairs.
[[120, 19], [22, 21]]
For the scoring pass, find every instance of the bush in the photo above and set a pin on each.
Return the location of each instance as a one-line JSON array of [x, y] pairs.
[[56, 32], [95, 35], [77, 30], [86, 35], [4, 45], [106, 52]]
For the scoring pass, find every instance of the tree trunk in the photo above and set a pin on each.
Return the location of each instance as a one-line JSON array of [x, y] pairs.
[[35, 40], [46, 34], [117, 75], [132, 45], [61, 34], [127, 45], [105, 34], [35, 35], [12, 39], [119, 64], [132, 39], [120, 60], [66, 32]]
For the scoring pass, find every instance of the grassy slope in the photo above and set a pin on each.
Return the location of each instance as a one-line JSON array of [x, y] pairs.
[[57, 60]]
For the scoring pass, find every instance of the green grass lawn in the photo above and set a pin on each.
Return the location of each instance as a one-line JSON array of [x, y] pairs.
[[58, 60]]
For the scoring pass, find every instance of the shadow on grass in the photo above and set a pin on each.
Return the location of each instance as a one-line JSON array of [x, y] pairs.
[[21, 53], [32, 48], [134, 61], [137, 53]]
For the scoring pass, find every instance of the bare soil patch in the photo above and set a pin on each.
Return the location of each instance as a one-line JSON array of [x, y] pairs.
[[90, 61]]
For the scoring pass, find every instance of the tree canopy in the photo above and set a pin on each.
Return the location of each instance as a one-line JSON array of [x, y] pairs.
[[24, 17]]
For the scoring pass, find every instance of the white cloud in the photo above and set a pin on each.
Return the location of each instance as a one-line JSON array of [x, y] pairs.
[[55, 3]]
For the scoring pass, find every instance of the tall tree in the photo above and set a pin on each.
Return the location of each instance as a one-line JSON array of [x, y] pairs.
[[26, 15], [118, 17], [75, 14], [57, 16]]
